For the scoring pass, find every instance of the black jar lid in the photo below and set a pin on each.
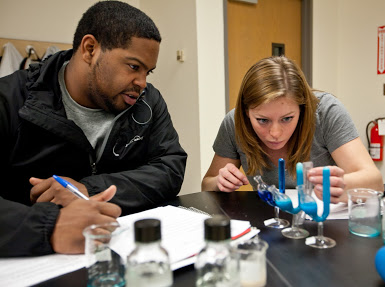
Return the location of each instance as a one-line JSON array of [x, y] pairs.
[[147, 230], [217, 228]]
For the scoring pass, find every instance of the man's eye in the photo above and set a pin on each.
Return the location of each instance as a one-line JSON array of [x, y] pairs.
[[134, 67], [150, 72]]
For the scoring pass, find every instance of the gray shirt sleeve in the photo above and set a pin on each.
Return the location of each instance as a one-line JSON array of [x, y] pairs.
[[225, 143], [334, 128]]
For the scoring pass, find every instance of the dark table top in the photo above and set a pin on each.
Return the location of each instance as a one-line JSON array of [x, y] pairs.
[[290, 262]]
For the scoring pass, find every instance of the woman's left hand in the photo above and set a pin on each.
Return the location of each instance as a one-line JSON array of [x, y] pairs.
[[337, 183]]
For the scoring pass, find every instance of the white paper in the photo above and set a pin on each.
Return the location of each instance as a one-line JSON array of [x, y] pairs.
[[182, 230], [191, 260], [337, 210], [27, 271], [182, 236]]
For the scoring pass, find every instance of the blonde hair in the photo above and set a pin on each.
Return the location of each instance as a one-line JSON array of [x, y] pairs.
[[265, 81]]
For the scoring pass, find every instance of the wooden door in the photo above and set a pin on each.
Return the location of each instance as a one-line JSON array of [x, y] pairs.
[[251, 31]]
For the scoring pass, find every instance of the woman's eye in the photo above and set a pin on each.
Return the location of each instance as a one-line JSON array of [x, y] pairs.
[[262, 121], [287, 119]]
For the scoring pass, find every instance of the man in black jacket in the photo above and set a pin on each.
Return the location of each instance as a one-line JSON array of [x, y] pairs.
[[89, 115]]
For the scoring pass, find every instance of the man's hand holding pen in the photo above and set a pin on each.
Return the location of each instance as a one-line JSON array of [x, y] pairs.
[[76, 213], [49, 190], [67, 236]]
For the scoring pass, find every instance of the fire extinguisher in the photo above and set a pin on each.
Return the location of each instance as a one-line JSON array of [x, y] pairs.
[[375, 141]]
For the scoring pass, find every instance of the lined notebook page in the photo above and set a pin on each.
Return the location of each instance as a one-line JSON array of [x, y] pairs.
[[182, 231]]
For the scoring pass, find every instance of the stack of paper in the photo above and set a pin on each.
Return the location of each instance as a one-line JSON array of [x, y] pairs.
[[182, 232]]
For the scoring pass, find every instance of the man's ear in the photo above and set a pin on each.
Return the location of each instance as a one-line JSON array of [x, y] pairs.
[[89, 47]]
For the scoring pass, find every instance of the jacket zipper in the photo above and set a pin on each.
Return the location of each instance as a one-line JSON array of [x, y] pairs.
[[93, 165], [101, 150]]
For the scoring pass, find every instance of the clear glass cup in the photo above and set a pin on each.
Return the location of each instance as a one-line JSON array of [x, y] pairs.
[[104, 265], [364, 205], [252, 256], [383, 218]]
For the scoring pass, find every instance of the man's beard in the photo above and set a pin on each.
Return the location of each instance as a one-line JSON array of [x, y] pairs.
[[97, 96]]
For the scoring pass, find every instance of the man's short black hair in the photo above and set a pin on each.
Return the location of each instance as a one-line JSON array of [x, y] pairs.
[[113, 24]]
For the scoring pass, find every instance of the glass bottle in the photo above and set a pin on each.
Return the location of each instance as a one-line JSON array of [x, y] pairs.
[[217, 264], [148, 265]]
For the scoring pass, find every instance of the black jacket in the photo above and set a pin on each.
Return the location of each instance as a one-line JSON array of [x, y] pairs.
[[142, 155]]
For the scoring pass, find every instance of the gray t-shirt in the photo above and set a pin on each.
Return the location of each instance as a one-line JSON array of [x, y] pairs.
[[334, 128], [95, 123]]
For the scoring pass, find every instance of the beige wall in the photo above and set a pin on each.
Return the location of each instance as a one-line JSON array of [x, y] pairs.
[[41, 20], [345, 57], [211, 75], [195, 89], [178, 82]]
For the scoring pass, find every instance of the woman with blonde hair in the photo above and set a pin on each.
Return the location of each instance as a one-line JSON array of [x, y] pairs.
[[277, 115]]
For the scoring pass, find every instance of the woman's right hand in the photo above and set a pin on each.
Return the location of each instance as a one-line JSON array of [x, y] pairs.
[[230, 178]]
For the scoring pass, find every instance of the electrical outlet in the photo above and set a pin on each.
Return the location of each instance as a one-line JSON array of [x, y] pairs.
[[180, 55]]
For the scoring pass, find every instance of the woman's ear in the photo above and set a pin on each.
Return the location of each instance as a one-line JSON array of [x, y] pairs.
[[88, 48]]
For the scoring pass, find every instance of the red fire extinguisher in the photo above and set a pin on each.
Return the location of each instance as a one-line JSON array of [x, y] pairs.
[[375, 141]]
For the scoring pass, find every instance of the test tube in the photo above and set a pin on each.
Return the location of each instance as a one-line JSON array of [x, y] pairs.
[[308, 186]]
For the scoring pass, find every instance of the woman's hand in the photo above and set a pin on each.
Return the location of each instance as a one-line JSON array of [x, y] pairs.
[[230, 178], [224, 175], [337, 183]]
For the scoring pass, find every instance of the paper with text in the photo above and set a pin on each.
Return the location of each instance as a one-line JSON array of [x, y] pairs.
[[27, 271], [182, 231]]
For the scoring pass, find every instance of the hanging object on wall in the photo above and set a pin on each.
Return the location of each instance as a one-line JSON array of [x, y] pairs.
[[381, 50], [376, 138], [277, 49]]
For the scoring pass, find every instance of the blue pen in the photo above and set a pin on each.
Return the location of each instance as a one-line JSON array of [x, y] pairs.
[[70, 187]]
